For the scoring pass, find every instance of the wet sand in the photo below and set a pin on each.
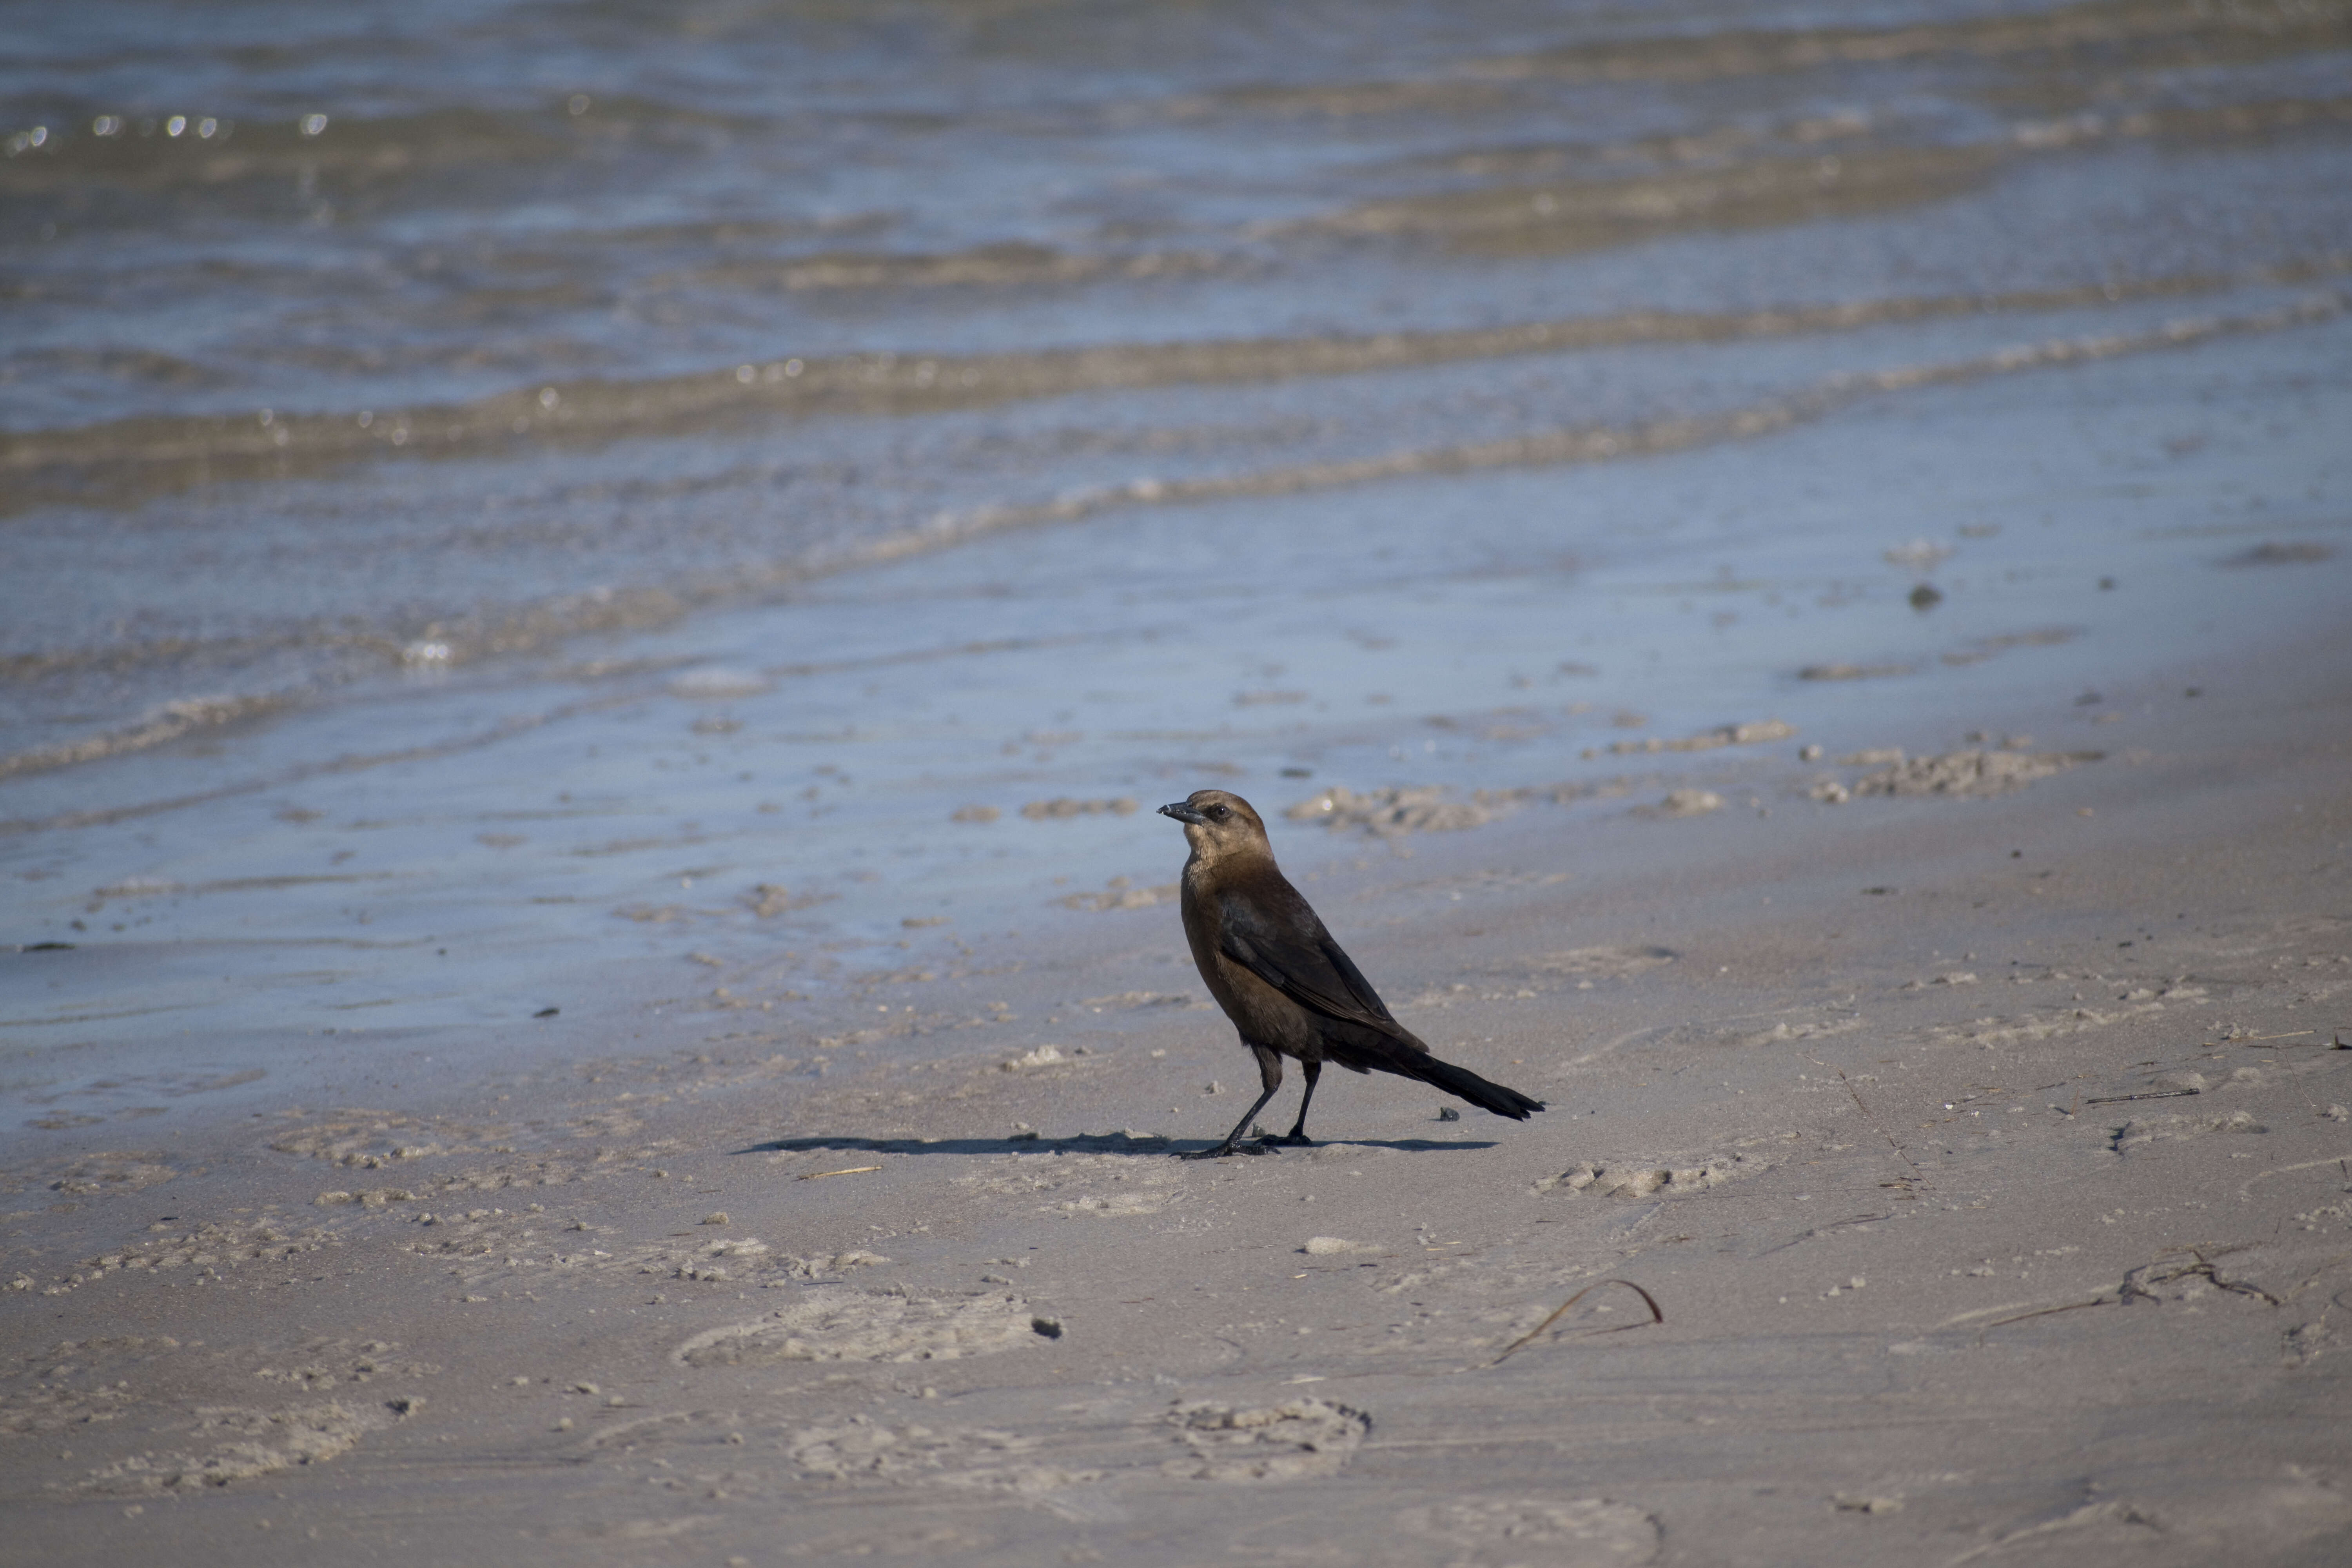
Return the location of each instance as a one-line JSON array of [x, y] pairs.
[[1984, 1157]]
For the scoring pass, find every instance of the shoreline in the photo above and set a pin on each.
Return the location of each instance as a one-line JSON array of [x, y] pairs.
[[587, 970], [830, 1213]]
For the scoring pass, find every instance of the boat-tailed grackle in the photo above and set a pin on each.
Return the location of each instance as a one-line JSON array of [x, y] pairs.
[[1286, 985]]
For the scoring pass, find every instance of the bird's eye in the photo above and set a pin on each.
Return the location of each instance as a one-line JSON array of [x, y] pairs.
[[1219, 811]]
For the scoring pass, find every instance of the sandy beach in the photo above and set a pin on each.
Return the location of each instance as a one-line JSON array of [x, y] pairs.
[[1993, 1212], [1984, 1158], [593, 609]]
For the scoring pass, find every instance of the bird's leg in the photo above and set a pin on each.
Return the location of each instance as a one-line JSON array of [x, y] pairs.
[[1269, 1072], [1297, 1137], [1232, 1145]]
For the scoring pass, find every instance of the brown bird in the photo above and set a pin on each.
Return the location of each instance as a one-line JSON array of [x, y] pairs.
[[1285, 985]]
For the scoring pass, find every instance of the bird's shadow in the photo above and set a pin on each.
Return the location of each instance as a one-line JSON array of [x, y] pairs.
[[1085, 1143]]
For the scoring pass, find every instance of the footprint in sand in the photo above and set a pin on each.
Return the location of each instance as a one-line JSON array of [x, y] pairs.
[[1586, 1533], [112, 1173], [858, 1325], [1285, 1442], [2142, 1131], [974, 1460], [247, 1444], [1645, 1178]]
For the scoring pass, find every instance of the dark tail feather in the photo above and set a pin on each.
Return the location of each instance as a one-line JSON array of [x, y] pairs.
[[1463, 1084]]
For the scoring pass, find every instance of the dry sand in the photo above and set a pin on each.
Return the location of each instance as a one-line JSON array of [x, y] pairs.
[[1987, 1159]]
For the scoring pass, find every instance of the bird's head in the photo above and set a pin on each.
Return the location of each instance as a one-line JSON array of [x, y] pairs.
[[1218, 824]]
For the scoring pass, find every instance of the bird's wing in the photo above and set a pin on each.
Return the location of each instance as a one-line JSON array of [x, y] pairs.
[[1288, 949]]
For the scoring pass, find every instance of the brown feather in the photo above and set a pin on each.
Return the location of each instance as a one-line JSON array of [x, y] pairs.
[[1289, 987]]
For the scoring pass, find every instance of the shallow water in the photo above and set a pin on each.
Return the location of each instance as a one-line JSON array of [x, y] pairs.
[[533, 482]]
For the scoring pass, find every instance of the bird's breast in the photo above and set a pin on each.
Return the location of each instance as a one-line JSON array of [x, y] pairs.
[[1262, 1014]]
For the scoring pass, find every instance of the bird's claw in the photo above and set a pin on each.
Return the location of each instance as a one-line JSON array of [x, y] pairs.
[[1222, 1151], [1287, 1141]]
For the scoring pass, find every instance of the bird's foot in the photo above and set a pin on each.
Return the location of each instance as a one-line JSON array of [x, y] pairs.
[[1222, 1151], [1287, 1141]]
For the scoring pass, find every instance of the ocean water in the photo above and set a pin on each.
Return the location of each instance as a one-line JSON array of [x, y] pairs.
[[498, 499]]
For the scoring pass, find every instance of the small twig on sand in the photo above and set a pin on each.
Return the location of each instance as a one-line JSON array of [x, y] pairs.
[[2152, 1094], [1883, 1132], [852, 1170], [1833, 1225], [2136, 1284], [2044, 1312], [1657, 1315]]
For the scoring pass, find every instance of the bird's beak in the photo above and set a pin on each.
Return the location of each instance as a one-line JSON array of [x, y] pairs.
[[1181, 810]]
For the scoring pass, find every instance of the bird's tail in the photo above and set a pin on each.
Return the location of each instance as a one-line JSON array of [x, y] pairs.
[[1463, 1084]]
